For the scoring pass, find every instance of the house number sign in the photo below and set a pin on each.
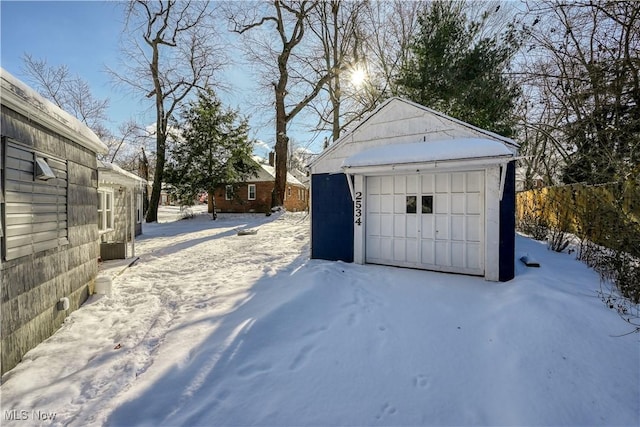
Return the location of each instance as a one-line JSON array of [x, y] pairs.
[[358, 208]]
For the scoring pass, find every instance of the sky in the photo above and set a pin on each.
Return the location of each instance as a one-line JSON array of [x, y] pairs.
[[209, 328], [84, 35]]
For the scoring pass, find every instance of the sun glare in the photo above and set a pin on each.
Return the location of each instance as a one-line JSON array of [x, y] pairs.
[[358, 77]]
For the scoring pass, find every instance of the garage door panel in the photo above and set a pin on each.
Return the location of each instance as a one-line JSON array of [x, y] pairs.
[[386, 203], [412, 251], [474, 254], [457, 228], [399, 185], [412, 184], [442, 227], [386, 185], [373, 225], [458, 258], [474, 203], [457, 182], [442, 250], [475, 182], [399, 250], [427, 184], [457, 203], [386, 249], [399, 204], [428, 252], [441, 203], [373, 248], [473, 228], [399, 226], [373, 204], [373, 185], [386, 225], [427, 226], [412, 226], [442, 183]]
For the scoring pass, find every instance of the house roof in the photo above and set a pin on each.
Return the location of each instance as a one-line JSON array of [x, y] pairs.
[[508, 142], [109, 173], [268, 173], [26, 101]]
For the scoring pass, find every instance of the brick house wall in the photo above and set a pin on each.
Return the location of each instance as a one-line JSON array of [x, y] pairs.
[[296, 198]]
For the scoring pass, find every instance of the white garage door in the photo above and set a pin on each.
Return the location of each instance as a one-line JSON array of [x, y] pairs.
[[430, 221]]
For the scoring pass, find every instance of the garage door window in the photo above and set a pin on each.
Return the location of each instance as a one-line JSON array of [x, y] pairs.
[[427, 204], [411, 204]]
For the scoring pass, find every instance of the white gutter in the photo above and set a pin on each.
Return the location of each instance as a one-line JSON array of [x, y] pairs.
[[418, 167]]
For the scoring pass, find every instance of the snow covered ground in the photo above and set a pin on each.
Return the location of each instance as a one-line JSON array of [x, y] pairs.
[[210, 328]]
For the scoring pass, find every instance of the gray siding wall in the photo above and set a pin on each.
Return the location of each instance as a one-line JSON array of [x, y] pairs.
[[31, 285]]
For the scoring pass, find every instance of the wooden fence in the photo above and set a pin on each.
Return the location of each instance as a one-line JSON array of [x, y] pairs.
[[608, 214]]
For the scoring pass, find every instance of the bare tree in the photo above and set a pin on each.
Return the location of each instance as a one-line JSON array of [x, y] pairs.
[[336, 24], [389, 28], [585, 68], [69, 92], [171, 49], [278, 45]]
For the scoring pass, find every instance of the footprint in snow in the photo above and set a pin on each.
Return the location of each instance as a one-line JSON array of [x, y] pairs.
[[385, 410]]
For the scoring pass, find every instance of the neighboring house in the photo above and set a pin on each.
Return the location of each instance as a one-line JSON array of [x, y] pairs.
[[254, 195], [412, 187], [48, 221], [120, 215]]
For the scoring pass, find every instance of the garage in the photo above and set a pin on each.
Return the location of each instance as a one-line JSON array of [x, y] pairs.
[[412, 187], [429, 221]]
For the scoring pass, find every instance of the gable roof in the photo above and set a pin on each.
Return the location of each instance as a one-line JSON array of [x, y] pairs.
[[110, 173], [268, 173], [395, 101]]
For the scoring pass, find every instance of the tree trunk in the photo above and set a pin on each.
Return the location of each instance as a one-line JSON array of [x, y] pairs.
[[154, 202], [282, 143], [211, 203]]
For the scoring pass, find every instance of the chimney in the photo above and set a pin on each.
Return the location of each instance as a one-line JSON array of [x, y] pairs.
[[272, 158]]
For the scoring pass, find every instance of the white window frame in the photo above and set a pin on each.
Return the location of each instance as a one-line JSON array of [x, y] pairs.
[[228, 192], [251, 188], [104, 194]]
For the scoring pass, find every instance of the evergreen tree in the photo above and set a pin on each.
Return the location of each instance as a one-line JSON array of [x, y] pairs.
[[455, 69], [212, 148]]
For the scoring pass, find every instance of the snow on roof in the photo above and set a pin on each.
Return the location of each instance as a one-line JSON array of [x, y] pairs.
[[112, 173], [21, 98], [433, 151], [272, 172]]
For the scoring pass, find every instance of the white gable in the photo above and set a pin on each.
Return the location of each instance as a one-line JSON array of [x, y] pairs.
[[398, 121]]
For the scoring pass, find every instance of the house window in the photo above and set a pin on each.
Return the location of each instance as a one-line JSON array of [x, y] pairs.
[[427, 204], [411, 204], [252, 191], [33, 179], [105, 210], [228, 192]]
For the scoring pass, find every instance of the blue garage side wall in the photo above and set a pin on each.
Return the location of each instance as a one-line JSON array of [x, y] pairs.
[[508, 225], [331, 218]]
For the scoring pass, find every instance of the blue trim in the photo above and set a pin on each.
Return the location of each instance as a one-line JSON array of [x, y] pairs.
[[331, 218], [507, 252]]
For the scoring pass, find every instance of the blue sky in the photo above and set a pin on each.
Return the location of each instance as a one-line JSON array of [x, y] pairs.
[[84, 35]]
